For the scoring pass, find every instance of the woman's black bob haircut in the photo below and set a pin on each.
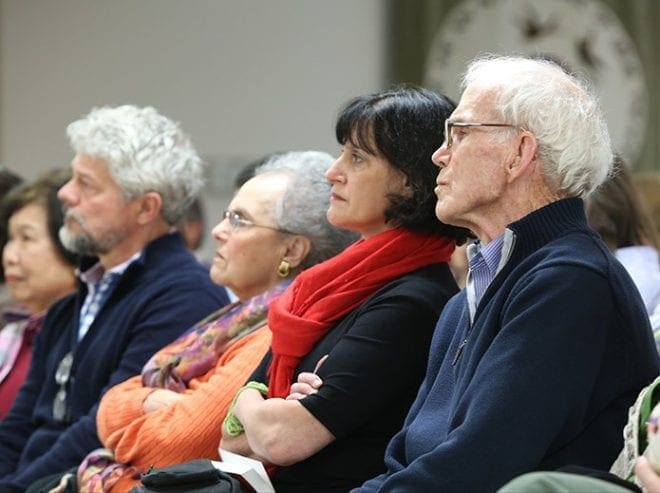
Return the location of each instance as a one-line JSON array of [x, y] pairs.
[[405, 126]]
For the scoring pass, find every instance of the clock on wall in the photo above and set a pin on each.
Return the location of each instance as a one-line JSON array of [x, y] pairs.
[[585, 35]]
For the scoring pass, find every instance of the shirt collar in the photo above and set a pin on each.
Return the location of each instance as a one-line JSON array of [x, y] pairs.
[[96, 272]]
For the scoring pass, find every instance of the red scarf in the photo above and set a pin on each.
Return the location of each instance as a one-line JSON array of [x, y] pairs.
[[323, 294]]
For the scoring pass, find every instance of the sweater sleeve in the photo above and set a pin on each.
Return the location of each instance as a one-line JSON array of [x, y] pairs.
[[120, 406], [502, 424], [187, 429], [71, 445]]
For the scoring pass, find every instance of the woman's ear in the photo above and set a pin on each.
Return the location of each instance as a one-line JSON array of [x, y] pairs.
[[298, 248], [402, 184]]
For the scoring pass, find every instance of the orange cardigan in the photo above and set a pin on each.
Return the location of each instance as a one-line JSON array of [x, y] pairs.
[[187, 429]]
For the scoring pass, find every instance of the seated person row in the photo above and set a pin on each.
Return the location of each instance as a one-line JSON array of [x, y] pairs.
[[363, 320], [275, 227], [38, 271], [375, 191], [133, 174]]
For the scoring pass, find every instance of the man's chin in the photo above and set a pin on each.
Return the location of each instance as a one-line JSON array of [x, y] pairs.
[[441, 213], [77, 243]]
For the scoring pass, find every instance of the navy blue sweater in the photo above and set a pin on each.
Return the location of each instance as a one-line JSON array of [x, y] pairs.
[[558, 350], [156, 299]]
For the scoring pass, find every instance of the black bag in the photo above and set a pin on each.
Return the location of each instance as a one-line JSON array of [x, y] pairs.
[[194, 476]]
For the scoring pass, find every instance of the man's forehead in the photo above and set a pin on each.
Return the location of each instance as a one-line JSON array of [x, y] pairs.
[[477, 102], [86, 164], [94, 169]]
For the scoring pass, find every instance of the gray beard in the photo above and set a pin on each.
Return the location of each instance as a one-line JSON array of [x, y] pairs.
[[83, 244]]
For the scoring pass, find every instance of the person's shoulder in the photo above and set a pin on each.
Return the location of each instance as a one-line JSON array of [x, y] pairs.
[[168, 258], [576, 249], [58, 320], [168, 266], [427, 284], [59, 309], [580, 260], [436, 275]]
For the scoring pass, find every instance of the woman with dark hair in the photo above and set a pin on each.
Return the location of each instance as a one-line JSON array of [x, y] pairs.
[[350, 336], [38, 271]]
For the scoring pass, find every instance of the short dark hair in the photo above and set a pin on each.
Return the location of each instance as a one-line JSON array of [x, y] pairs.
[[42, 191], [404, 125], [249, 170], [8, 180]]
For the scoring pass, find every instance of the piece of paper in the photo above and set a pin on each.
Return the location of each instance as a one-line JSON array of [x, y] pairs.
[[251, 470]]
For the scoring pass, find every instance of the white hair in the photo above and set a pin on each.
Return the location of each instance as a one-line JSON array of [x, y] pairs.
[[144, 151], [559, 109]]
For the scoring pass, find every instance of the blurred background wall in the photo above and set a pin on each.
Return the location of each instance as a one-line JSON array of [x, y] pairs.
[[243, 78], [248, 77]]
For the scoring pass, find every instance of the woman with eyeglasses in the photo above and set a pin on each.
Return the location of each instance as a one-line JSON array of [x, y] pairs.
[[351, 335], [274, 228], [38, 271]]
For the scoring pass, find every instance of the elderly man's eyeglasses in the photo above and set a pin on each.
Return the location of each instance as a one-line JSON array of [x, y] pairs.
[[449, 125], [236, 221], [62, 377]]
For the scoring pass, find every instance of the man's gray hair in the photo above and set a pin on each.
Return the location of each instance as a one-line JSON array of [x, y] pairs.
[[302, 209], [559, 109], [145, 152]]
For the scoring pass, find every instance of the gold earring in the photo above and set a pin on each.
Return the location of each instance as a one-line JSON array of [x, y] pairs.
[[284, 269]]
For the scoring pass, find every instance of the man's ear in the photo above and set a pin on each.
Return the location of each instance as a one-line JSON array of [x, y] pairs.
[[298, 248], [525, 159], [149, 207]]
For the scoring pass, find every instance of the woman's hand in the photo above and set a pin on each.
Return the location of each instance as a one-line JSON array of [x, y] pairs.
[[159, 399], [307, 384], [647, 476]]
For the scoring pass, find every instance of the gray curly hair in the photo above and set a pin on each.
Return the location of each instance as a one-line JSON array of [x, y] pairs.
[[145, 152], [302, 209]]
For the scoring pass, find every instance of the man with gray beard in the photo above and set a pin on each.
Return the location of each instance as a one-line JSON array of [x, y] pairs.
[[134, 173]]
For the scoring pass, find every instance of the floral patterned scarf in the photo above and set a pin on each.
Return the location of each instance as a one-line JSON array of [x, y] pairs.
[[195, 352]]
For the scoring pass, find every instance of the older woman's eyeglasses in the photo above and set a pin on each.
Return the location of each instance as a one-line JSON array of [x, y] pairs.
[[236, 221], [449, 125]]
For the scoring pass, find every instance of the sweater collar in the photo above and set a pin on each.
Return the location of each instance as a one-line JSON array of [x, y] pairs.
[[545, 224], [152, 249]]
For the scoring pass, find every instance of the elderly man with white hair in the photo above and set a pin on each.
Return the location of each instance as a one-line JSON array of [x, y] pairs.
[[535, 363], [134, 173]]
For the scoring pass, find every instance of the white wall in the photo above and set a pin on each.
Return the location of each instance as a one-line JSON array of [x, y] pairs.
[[244, 77]]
